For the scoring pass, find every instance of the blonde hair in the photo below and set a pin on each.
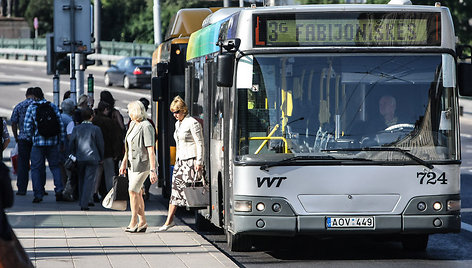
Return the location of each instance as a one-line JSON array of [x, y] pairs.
[[136, 111], [179, 104]]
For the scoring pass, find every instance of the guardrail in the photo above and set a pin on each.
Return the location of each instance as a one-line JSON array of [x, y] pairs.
[[35, 49]]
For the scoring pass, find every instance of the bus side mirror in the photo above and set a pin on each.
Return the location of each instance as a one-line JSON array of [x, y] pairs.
[[225, 67], [158, 85], [465, 79]]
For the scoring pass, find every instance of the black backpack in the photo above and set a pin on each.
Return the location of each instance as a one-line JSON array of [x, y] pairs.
[[46, 120]]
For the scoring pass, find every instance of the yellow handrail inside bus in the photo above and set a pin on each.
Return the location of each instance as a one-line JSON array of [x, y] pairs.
[[265, 141], [270, 138]]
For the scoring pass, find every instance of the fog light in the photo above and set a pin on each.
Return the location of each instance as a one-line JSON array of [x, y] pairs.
[[260, 206], [437, 206], [437, 222], [276, 207], [421, 206], [453, 205], [243, 205], [260, 223]]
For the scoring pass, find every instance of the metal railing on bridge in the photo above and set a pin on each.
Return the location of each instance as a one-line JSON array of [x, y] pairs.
[[35, 49]]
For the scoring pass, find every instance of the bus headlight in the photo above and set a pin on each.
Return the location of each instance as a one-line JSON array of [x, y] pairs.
[[421, 206], [437, 206], [242, 205], [260, 206], [453, 205]]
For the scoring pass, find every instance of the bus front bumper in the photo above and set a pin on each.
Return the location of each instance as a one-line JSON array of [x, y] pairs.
[[299, 225]]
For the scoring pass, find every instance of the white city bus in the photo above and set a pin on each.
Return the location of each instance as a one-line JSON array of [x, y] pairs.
[[328, 120]]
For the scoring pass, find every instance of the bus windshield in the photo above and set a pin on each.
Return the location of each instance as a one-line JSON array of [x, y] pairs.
[[331, 106]]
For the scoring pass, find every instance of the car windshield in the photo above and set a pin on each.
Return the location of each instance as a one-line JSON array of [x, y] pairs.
[[312, 105]]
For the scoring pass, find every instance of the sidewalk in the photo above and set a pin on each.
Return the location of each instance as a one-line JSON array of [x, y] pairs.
[[59, 234]]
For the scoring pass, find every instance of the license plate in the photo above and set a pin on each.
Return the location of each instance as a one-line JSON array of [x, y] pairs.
[[148, 72], [350, 222]]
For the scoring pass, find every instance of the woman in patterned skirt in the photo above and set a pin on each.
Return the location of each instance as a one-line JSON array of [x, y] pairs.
[[188, 137]]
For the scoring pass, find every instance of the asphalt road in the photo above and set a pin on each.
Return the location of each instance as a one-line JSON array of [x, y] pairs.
[[444, 250]]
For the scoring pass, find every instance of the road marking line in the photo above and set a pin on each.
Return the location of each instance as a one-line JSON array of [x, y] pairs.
[[466, 226], [466, 210]]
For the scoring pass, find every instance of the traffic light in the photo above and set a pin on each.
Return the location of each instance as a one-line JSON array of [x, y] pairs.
[[62, 63], [56, 61]]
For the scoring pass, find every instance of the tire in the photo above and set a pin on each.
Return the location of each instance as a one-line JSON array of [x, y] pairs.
[[107, 80], [238, 242], [126, 83], [417, 242]]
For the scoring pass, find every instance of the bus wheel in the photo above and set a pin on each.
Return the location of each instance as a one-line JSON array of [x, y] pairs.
[[201, 223], [418, 242], [238, 242]]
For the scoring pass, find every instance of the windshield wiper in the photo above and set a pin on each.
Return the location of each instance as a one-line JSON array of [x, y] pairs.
[[295, 158], [384, 149]]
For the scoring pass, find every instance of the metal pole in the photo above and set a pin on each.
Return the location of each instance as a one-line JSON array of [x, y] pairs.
[[56, 88], [96, 13], [79, 74], [73, 92], [226, 3], [157, 22]]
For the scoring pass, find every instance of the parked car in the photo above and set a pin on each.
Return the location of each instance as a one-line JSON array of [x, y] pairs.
[[129, 72]]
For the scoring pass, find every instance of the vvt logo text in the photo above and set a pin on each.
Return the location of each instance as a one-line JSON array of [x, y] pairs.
[[270, 181]]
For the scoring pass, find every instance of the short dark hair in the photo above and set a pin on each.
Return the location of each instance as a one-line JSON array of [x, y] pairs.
[[38, 93], [86, 113], [29, 91], [145, 102], [66, 95]]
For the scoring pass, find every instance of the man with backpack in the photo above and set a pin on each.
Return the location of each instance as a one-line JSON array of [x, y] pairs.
[[45, 129]]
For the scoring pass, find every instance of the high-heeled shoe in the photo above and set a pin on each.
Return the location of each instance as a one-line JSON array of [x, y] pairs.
[[142, 229], [164, 228], [132, 229]]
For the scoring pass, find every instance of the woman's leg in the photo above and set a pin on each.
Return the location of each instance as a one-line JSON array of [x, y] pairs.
[[141, 216], [170, 214], [134, 204]]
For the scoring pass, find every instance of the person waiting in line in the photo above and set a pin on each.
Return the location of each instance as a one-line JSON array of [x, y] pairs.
[[24, 144], [87, 145], [5, 138], [188, 137], [67, 109], [44, 148], [112, 138], [138, 162]]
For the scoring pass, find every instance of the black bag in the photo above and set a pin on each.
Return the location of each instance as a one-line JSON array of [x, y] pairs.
[[120, 186], [47, 121], [197, 194], [70, 162]]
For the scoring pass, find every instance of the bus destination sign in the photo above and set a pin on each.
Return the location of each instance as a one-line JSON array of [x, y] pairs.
[[410, 29]]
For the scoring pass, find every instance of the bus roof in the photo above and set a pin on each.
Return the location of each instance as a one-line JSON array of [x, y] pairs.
[[186, 21], [240, 24]]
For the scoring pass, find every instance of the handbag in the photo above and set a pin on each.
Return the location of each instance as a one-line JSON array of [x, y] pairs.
[[70, 162], [110, 202], [120, 186], [12, 254], [197, 193]]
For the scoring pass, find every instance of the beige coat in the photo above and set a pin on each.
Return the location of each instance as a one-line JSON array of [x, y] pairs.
[[143, 137], [188, 137]]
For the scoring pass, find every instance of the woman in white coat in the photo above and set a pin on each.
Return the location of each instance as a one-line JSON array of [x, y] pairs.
[[188, 137]]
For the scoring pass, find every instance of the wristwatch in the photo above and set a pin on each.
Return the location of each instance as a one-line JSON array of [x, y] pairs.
[[152, 170]]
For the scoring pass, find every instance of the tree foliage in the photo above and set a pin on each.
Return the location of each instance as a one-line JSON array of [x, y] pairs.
[[132, 20]]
